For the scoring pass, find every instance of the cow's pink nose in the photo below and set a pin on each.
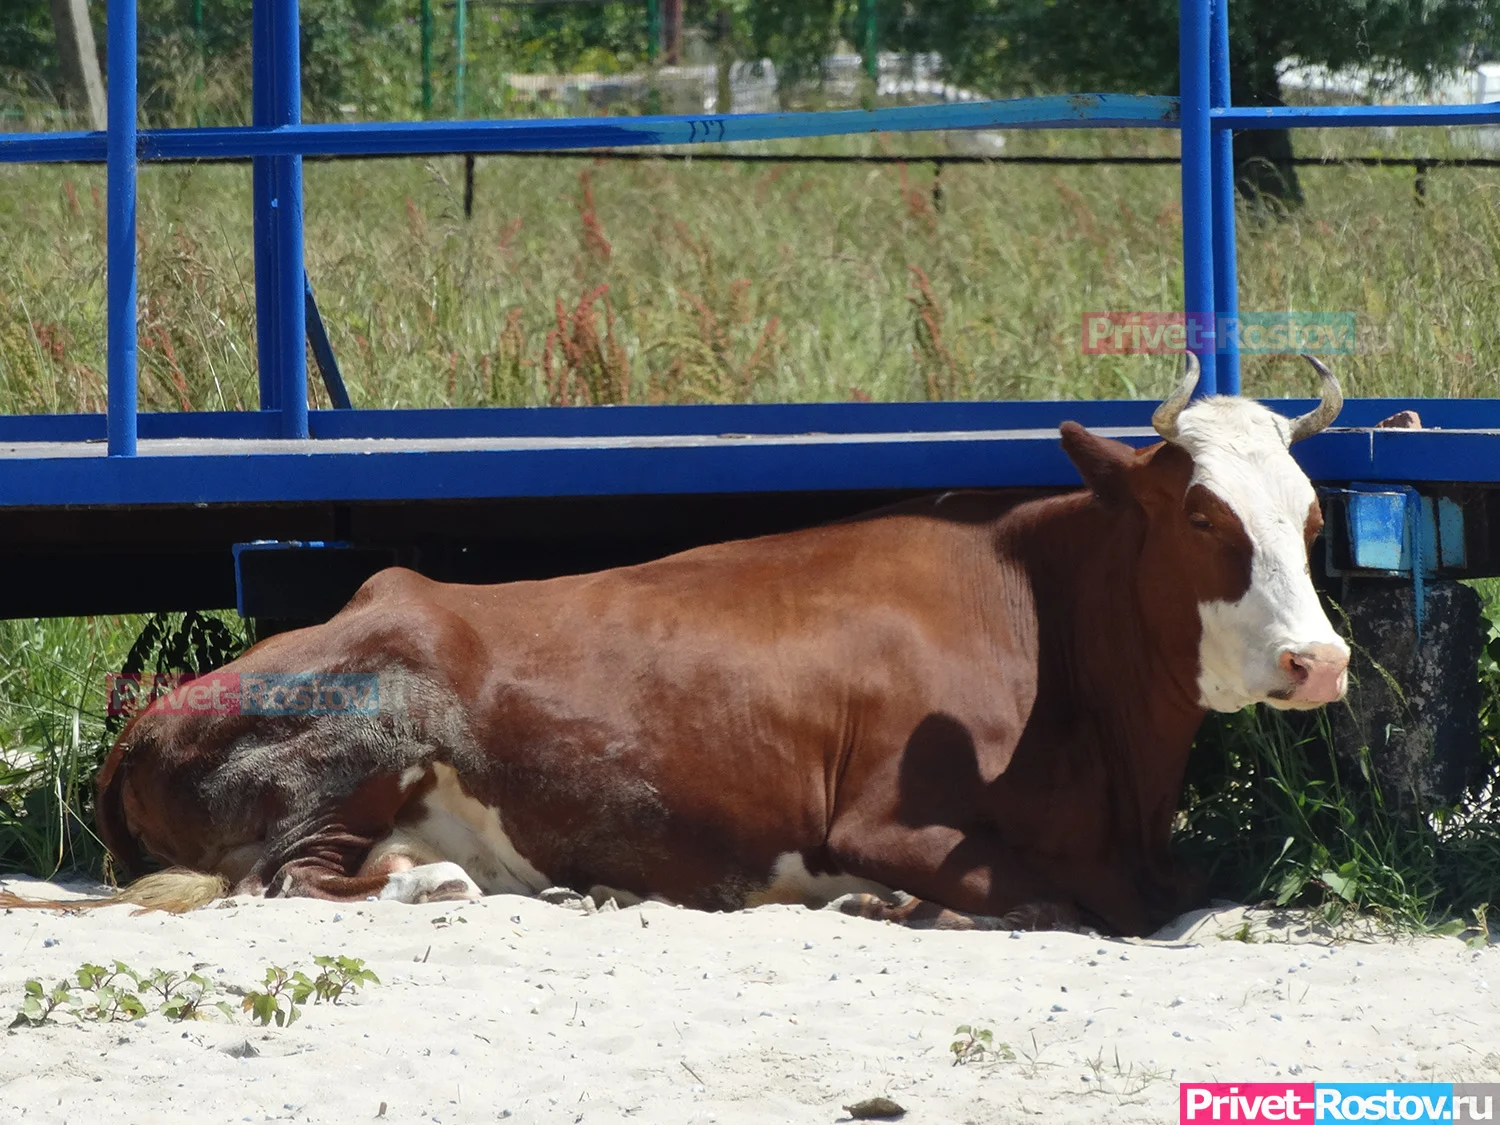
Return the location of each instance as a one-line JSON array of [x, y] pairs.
[[1318, 673]]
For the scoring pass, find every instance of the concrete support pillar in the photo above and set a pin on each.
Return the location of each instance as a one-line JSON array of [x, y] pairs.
[[1413, 702]]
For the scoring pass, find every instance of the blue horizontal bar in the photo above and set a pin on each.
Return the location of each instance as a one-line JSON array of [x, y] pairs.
[[414, 137], [1352, 116], [316, 473], [943, 461], [779, 418], [1403, 456], [728, 466], [91, 427], [420, 137]]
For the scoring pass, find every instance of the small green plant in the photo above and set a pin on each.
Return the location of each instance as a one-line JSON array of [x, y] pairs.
[[1242, 934], [103, 995], [340, 974], [285, 992], [1478, 931], [182, 996], [280, 999], [977, 1044], [39, 1004]]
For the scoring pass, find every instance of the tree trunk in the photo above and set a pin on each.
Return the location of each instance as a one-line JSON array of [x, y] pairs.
[[724, 59], [1263, 171], [82, 82], [671, 12]]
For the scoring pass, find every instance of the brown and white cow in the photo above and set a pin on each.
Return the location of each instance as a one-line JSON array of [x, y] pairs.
[[984, 705]]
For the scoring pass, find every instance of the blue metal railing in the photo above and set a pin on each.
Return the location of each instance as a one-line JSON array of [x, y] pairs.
[[120, 256], [277, 142]]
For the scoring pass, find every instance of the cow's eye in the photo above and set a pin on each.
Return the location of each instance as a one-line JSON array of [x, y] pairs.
[[1200, 521]]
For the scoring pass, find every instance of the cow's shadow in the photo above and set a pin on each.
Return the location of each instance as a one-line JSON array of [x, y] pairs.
[[941, 785]]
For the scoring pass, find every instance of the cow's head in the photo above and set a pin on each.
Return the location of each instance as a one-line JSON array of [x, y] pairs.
[[1229, 520]]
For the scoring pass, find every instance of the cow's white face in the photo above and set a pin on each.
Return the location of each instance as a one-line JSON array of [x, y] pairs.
[[1274, 644]]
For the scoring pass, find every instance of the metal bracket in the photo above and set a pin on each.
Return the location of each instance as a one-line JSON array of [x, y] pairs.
[[1393, 531], [301, 579]]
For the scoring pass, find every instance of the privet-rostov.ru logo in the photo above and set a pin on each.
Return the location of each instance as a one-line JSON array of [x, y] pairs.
[[1121, 332], [1252, 1103], [247, 693]]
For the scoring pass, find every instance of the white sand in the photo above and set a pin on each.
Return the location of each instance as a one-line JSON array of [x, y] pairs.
[[653, 1014]]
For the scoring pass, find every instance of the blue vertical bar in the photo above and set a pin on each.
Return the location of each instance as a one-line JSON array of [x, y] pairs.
[[1197, 181], [291, 331], [263, 192], [1226, 281], [120, 254]]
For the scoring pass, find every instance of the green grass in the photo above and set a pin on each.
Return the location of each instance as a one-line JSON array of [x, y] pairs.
[[591, 282], [55, 725]]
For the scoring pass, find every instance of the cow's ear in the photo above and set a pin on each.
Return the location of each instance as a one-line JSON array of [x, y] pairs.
[[1104, 464]]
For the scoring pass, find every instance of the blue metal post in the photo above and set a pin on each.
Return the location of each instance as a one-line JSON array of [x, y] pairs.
[[1226, 283], [1197, 182], [120, 255], [291, 343], [263, 193]]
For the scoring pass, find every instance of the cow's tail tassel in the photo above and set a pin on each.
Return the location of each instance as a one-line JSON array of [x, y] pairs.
[[175, 890]]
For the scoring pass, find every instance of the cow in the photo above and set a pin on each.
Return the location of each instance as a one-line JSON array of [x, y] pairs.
[[961, 711]]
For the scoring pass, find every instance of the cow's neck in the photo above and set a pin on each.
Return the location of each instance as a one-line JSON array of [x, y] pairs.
[[1119, 678]]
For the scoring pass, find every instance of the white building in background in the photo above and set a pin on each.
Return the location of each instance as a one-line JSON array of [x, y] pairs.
[[1465, 87], [752, 83]]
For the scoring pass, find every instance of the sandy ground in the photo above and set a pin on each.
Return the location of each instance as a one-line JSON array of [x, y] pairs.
[[513, 1009]]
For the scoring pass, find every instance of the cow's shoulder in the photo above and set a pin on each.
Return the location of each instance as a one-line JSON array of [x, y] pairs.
[[387, 587]]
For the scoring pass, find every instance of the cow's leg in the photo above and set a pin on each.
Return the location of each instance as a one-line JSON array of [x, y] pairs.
[[920, 914], [391, 876], [975, 880], [431, 882]]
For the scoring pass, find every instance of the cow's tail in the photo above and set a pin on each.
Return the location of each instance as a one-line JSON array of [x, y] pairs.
[[176, 890]]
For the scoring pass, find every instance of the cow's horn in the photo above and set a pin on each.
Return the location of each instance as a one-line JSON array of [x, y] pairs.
[[1321, 416], [1164, 421]]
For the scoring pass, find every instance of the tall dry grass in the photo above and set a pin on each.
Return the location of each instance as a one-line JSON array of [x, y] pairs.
[[594, 282]]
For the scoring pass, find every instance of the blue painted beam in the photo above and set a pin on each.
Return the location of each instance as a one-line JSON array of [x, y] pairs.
[[661, 467], [291, 277], [1197, 190], [1082, 111], [1221, 145], [120, 285], [794, 418], [416, 137], [1353, 116], [295, 472]]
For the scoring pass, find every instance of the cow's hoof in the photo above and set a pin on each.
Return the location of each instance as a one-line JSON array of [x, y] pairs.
[[569, 898], [1042, 916], [431, 882]]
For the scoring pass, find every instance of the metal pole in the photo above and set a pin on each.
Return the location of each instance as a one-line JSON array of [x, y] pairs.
[[263, 195], [1197, 185], [461, 19], [290, 273], [120, 253], [426, 58], [872, 50], [653, 30], [1226, 281]]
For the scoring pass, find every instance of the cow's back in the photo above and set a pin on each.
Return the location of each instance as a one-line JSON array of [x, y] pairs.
[[673, 728]]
